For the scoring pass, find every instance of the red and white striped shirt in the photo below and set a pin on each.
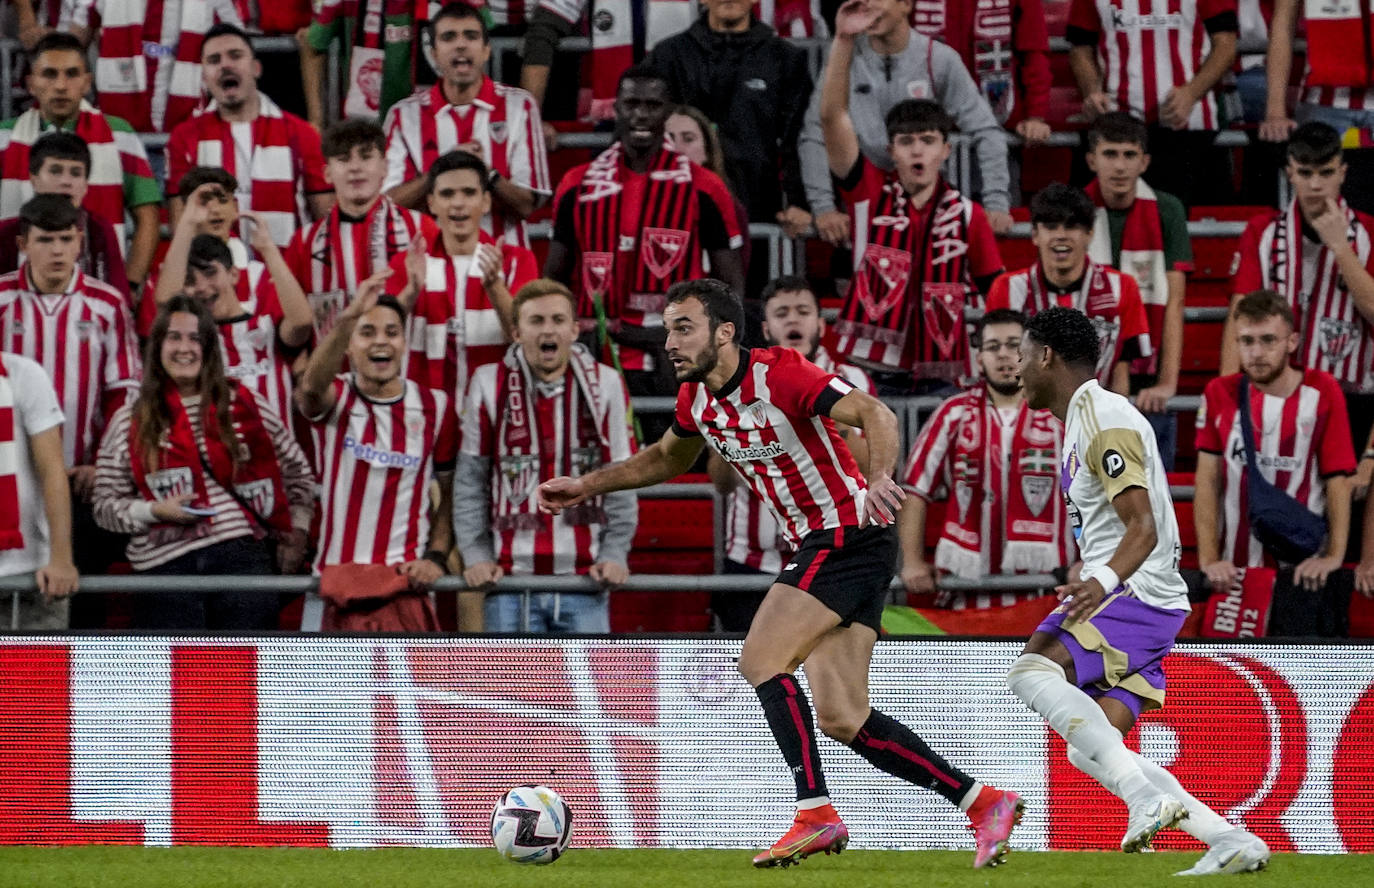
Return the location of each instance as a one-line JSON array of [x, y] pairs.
[[1301, 440], [447, 344], [771, 422], [1148, 47], [1110, 299], [336, 254], [752, 535], [275, 158], [83, 337], [570, 425], [1334, 336], [504, 120], [252, 353], [376, 461]]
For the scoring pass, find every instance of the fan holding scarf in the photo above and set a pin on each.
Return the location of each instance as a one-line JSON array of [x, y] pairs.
[[201, 471]]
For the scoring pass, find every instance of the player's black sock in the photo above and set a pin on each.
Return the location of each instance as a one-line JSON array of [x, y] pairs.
[[789, 716], [893, 747]]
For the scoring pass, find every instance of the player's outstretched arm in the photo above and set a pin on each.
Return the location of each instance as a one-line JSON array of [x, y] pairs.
[[668, 458], [1132, 506]]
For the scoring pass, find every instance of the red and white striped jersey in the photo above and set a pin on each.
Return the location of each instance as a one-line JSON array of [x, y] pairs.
[[447, 344], [504, 120], [1301, 440], [752, 535], [1334, 336], [376, 461], [275, 158], [252, 353], [83, 338], [1110, 299], [1148, 47], [771, 422], [570, 432], [333, 256]]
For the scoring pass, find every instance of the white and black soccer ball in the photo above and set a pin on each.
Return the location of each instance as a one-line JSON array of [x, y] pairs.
[[531, 824]]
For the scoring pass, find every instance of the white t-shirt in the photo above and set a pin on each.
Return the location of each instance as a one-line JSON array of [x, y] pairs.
[[1109, 447], [35, 410]]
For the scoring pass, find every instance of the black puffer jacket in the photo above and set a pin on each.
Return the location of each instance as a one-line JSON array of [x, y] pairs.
[[755, 86]]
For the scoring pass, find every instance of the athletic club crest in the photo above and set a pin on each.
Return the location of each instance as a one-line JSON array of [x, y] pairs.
[[596, 272], [519, 477], [963, 497], [662, 250], [1338, 338], [498, 131], [258, 495], [168, 483], [1036, 490], [943, 308], [882, 280]]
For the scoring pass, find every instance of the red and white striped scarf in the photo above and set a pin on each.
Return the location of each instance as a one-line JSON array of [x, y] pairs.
[[518, 461], [105, 178], [1097, 297], [1339, 39], [335, 271], [908, 295], [11, 535], [134, 44], [1006, 515], [276, 168], [792, 18], [1142, 257], [1333, 335]]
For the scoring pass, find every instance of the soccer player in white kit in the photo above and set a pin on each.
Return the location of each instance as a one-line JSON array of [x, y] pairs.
[[1096, 663]]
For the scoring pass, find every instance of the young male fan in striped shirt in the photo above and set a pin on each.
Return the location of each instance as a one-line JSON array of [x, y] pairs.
[[772, 415], [548, 408]]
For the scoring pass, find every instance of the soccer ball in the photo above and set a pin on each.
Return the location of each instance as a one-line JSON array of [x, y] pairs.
[[531, 824]]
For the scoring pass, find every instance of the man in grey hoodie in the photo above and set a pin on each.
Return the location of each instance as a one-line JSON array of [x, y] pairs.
[[893, 62]]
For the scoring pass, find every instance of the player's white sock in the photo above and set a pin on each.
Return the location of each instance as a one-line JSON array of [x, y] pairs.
[[1041, 684], [1203, 823]]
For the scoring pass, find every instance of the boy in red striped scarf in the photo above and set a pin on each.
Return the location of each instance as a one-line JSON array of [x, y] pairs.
[[35, 503], [362, 231], [994, 463], [273, 154], [1143, 233], [923, 252], [547, 409], [1064, 275], [1317, 254], [118, 175]]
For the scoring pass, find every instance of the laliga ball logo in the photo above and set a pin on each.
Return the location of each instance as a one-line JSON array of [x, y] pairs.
[[531, 824]]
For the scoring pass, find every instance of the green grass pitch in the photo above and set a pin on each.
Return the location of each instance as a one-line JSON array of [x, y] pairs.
[[97, 867]]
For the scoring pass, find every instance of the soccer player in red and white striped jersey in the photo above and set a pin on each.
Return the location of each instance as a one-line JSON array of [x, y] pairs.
[[1302, 446], [772, 415], [468, 111], [460, 292], [73, 325], [362, 231], [380, 439], [548, 409], [259, 332], [753, 541], [1062, 221]]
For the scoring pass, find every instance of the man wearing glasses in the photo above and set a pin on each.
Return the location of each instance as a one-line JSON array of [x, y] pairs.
[[993, 461]]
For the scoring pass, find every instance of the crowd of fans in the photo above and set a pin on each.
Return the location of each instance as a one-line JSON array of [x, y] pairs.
[[346, 358]]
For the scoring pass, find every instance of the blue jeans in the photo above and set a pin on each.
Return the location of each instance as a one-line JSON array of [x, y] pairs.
[[1340, 119], [552, 612]]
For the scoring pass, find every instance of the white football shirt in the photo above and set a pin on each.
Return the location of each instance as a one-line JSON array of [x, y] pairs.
[[1109, 447]]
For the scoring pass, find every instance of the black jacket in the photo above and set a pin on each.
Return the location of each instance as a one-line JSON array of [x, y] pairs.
[[755, 86]]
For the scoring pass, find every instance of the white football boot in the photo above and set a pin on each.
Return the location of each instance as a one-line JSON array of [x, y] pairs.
[[1159, 813], [1237, 851]]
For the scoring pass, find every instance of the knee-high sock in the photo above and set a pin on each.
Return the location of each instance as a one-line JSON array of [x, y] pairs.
[[1203, 823], [789, 717], [1041, 684], [891, 746]]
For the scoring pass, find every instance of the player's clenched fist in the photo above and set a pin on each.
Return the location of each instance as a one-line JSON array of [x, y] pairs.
[[557, 494]]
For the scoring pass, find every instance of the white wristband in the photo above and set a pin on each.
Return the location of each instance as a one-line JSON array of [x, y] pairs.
[[1106, 577]]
